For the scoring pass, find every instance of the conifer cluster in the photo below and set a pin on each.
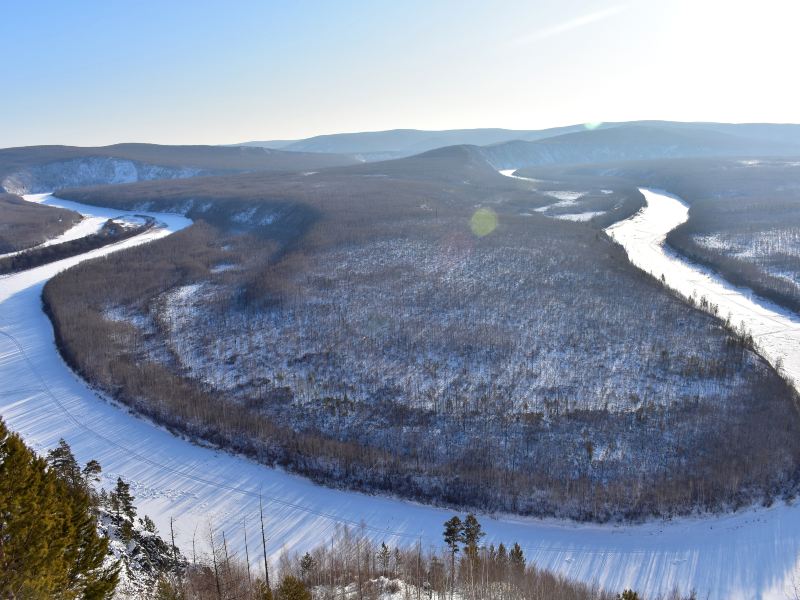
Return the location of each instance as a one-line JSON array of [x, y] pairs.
[[49, 544]]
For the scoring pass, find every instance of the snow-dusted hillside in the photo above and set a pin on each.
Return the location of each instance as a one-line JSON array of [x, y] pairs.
[[631, 142], [88, 171], [556, 378]]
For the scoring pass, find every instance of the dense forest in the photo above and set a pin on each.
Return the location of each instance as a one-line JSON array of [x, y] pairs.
[[344, 316]]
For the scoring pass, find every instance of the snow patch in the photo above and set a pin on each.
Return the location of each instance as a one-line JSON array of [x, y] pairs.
[[565, 196], [584, 216]]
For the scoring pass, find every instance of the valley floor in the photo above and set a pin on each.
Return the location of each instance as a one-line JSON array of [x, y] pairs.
[[750, 554]]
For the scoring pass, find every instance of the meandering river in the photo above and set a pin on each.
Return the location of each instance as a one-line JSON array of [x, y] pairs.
[[776, 330], [747, 555]]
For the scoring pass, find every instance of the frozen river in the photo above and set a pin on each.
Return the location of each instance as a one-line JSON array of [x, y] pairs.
[[747, 555], [776, 330]]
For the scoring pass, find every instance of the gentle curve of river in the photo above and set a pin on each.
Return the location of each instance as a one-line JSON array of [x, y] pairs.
[[751, 554]]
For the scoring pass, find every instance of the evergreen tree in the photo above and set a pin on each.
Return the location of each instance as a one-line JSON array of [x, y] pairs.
[[307, 565], [148, 525], [516, 561], [121, 503], [291, 588], [383, 558], [502, 561], [49, 545], [472, 534], [168, 590], [91, 472], [63, 462], [453, 536], [125, 499]]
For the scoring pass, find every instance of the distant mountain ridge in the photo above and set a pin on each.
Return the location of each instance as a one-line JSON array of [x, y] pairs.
[[641, 142], [398, 143]]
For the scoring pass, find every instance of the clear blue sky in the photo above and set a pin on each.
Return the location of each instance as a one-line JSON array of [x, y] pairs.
[[178, 71]]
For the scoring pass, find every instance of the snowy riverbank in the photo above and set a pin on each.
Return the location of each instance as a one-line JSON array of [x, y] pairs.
[[746, 555]]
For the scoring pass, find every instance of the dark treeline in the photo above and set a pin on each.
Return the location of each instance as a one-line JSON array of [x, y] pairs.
[[110, 233], [744, 222], [25, 224]]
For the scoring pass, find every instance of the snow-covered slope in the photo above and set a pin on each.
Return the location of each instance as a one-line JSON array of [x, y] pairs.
[[88, 171]]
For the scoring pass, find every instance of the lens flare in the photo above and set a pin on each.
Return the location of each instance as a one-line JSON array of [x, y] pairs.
[[593, 125], [483, 222]]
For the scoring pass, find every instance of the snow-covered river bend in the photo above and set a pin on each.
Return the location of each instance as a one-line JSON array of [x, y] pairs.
[[751, 554], [776, 330]]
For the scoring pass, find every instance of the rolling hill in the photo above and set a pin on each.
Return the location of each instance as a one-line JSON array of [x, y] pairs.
[[43, 168], [396, 143], [635, 142]]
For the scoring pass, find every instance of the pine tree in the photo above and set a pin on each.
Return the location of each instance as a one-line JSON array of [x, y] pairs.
[[516, 560], [49, 545], [453, 536], [472, 534], [63, 462], [502, 561], [262, 590], [167, 590], [148, 525], [291, 588], [124, 498], [91, 472], [383, 558], [307, 565]]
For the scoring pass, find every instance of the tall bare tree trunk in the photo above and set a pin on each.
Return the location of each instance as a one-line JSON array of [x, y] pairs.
[[263, 542]]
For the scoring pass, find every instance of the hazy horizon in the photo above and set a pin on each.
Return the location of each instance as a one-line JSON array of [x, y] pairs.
[[270, 71]]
